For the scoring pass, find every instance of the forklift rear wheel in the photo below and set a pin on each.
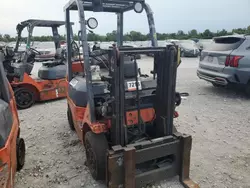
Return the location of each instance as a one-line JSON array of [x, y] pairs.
[[96, 146], [20, 153], [70, 119], [24, 98]]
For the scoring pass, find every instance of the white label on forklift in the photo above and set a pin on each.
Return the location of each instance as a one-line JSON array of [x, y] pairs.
[[73, 82], [56, 92], [132, 85]]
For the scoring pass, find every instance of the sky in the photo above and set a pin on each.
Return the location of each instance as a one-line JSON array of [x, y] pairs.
[[170, 15]]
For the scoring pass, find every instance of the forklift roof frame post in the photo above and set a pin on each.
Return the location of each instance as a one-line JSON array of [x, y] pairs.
[[3, 81], [112, 6], [32, 23]]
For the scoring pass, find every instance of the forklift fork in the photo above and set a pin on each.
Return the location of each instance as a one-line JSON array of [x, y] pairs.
[[122, 162]]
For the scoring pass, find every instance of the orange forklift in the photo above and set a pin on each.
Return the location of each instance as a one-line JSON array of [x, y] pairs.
[[50, 82], [12, 147], [125, 118]]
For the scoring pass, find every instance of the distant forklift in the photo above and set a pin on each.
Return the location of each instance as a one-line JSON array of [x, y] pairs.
[[51, 80], [12, 146], [125, 118]]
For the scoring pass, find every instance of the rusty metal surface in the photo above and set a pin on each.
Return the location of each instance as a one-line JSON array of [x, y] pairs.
[[157, 151], [186, 144], [188, 183], [153, 142], [130, 167], [122, 162], [115, 170]]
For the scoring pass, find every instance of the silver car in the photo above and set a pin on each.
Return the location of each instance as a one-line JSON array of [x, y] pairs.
[[188, 48], [203, 43], [226, 62]]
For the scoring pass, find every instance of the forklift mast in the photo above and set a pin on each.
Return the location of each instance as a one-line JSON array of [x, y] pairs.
[[118, 7], [164, 104], [169, 151]]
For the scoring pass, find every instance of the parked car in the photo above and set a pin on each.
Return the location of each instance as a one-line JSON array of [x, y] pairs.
[[45, 54], [172, 40], [137, 56], [160, 44], [195, 40], [188, 48], [2, 43], [203, 43], [226, 62]]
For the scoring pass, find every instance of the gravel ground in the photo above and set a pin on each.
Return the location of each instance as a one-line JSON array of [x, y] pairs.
[[218, 119]]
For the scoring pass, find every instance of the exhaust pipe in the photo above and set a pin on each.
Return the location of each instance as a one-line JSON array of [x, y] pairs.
[[221, 81]]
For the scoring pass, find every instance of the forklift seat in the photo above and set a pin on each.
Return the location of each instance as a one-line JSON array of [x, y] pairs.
[[101, 59], [56, 69], [59, 58], [60, 53], [130, 71]]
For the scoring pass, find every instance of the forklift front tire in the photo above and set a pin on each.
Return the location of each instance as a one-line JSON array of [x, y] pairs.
[[20, 153], [70, 119], [24, 98], [96, 146]]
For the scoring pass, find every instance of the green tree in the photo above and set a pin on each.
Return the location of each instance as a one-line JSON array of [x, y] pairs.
[[181, 35], [93, 37], [127, 37], [162, 36], [137, 36], [63, 37], [239, 31], [223, 32], [248, 30], [75, 37], [207, 34], [173, 36], [193, 33], [6, 38], [111, 36]]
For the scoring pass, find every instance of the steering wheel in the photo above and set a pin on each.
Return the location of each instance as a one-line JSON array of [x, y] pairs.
[[35, 51], [9, 52]]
